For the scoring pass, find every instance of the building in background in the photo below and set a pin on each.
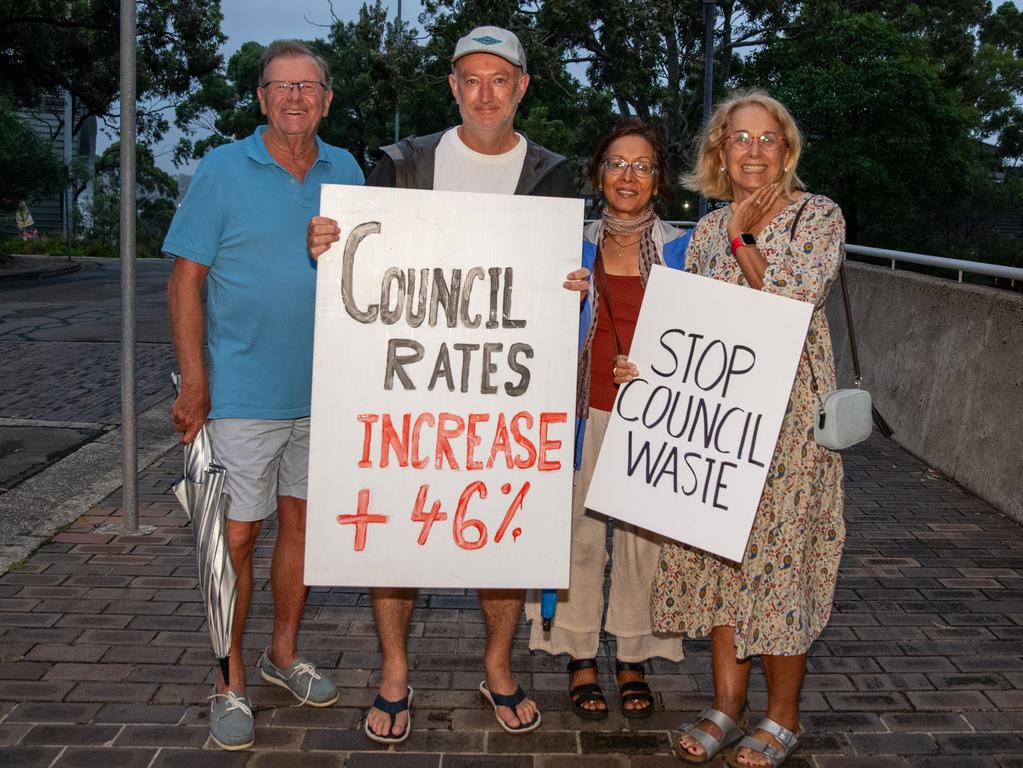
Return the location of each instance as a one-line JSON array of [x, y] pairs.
[[50, 121]]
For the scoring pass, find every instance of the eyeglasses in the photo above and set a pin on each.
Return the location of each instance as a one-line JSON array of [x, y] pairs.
[[286, 87], [616, 166], [768, 141]]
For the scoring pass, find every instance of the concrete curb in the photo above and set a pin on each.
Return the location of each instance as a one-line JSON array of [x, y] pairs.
[[36, 268], [34, 510]]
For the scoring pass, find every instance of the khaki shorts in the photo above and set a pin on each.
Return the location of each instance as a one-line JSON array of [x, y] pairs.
[[264, 458]]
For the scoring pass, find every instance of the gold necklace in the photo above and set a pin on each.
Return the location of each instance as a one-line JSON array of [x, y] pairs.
[[622, 246]]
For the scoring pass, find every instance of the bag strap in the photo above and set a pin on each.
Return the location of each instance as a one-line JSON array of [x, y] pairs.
[[809, 361], [883, 427], [795, 221], [605, 291], [845, 301], [857, 373]]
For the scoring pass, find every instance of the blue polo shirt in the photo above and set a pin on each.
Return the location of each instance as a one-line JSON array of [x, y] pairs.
[[245, 218]]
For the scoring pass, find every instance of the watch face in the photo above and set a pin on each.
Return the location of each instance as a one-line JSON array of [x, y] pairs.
[[747, 239]]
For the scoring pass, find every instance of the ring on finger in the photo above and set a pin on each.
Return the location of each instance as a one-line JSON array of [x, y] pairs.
[[614, 371]]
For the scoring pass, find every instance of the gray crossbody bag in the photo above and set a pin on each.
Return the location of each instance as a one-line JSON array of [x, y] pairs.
[[845, 417]]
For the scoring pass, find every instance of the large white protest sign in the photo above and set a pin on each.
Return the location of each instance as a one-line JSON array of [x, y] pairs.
[[443, 391], [689, 443]]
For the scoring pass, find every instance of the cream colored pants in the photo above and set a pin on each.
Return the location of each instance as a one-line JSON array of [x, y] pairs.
[[575, 629]]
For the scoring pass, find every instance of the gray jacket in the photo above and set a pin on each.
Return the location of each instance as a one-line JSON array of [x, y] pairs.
[[409, 165]]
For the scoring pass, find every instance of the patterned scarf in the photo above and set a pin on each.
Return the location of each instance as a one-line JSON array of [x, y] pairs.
[[650, 253]]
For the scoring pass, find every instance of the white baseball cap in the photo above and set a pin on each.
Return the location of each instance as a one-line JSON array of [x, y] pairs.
[[499, 42]]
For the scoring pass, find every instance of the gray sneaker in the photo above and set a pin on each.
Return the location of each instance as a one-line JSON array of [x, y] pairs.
[[301, 678], [231, 723]]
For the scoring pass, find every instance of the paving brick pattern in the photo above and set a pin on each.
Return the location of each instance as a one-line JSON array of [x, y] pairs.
[[104, 658], [83, 379]]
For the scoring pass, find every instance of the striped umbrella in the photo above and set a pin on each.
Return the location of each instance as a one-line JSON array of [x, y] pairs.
[[201, 493]]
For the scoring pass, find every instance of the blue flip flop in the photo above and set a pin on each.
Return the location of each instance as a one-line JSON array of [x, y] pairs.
[[392, 708], [501, 700]]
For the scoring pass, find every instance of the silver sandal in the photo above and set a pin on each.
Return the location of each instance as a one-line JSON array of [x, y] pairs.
[[785, 737], [730, 733]]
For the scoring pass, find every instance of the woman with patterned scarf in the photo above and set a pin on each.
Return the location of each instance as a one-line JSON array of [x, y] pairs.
[[619, 249]]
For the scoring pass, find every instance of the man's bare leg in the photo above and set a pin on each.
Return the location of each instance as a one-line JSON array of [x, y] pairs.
[[241, 542], [392, 610], [501, 610], [287, 579]]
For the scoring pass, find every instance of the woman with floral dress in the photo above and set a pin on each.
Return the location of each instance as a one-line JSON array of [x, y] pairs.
[[777, 238]]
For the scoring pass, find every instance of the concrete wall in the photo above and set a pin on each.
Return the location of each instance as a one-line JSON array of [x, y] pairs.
[[944, 364]]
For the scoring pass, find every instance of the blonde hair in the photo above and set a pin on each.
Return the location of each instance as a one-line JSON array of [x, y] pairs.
[[708, 177]]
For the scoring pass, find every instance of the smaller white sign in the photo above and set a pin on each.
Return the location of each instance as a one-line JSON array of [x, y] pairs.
[[690, 441]]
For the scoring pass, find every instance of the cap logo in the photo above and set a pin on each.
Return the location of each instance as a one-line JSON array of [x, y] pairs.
[[487, 40]]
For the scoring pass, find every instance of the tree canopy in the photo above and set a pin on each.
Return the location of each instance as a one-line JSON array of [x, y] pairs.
[[910, 114], [882, 89], [73, 45], [911, 110], [157, 192]]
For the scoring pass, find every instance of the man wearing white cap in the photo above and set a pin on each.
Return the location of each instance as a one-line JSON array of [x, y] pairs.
[[483, 154]]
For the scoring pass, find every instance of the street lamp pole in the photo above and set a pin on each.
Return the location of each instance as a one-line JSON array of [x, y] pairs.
[[129, 457], [708, 71], [397, 108]]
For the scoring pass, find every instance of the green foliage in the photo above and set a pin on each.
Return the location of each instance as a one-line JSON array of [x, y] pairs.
[[911, 110], [74, 45], [374, 68], [57, 246], [228, 98], [857, 71], [372, 65], [150, 179], [156, 194], [885, 135], [999, 63], [29, 166]]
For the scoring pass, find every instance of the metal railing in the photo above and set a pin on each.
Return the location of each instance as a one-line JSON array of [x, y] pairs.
[[956, 265], [959, 266]]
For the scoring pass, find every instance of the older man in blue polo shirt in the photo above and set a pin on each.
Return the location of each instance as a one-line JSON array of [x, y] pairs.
[[240, 231]]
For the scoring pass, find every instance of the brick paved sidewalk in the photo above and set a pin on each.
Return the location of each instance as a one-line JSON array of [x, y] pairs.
[[104, 660]]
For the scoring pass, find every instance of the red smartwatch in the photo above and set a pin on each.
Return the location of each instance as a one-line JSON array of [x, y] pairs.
[[744, 239]]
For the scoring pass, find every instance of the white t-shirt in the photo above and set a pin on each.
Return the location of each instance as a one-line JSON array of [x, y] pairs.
[[460, 169]]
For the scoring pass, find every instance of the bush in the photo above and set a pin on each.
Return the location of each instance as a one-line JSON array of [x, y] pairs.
[[56, 246]]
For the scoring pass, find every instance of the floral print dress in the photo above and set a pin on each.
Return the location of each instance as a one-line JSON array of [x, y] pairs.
[[779, 597]]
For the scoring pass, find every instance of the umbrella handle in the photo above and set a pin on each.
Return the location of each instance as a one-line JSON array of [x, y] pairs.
[[548, 605]]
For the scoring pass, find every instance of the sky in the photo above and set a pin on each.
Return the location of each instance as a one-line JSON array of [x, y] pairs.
[[266, 20]]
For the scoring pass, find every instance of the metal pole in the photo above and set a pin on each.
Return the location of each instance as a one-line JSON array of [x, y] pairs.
[[129, 458], [397, 108], [708, 73]]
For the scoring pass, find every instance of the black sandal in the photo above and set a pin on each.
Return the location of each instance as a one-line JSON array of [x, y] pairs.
[[586, 692], [637, 691]]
